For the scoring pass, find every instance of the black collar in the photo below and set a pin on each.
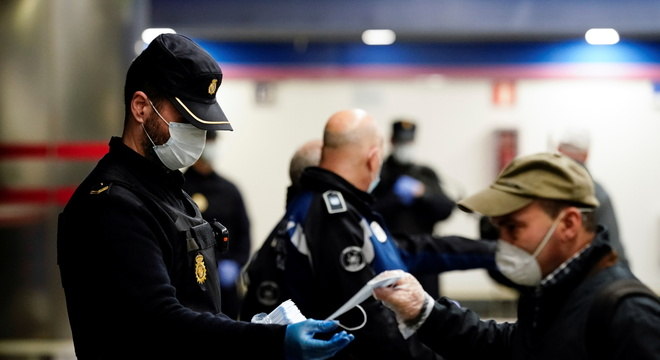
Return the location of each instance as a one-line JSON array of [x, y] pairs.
[[149, 172], [320, 180]]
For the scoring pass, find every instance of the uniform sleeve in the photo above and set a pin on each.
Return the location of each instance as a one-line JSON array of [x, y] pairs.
[[341, 269], [435, 254], [635, 329], [458, 333], [115, 260]]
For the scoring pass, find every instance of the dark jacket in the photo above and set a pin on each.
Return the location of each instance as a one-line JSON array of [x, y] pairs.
[[552, 318], [224, 203], [423, 213], [606, 216], [138, 269], [334, 244]]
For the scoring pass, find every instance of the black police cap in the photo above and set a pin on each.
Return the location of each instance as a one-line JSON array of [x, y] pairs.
[[403, 131], [188, 76]]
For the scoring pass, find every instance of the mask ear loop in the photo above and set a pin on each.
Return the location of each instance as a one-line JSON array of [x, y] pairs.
[[364, 314], [548, 235]]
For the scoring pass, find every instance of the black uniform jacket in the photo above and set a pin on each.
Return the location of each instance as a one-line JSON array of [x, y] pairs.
[[420, 216], [138, 270], [225, 203], [338, 225]]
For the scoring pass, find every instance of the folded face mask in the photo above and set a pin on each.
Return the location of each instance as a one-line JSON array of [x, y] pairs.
[[363, 294]]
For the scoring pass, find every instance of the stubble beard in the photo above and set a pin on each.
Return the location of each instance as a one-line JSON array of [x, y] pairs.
[[151, 127]]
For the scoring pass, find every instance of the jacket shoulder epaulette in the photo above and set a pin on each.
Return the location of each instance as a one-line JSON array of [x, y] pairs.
[[99, 188]]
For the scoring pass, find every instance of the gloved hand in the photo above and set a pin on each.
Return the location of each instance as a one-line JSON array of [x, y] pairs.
[[228, 271], [408, 188], [299, 341], [405, 297]]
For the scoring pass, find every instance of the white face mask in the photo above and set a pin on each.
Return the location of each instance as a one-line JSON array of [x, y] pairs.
[[373, 184], [210, 152], [404, 153], [184, 147], [376, 180], [517, 264]]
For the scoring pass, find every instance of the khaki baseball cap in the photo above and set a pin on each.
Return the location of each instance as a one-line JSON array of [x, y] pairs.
[[539, 176]]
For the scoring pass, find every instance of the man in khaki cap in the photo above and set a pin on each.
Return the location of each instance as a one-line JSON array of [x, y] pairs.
[[543, 206]]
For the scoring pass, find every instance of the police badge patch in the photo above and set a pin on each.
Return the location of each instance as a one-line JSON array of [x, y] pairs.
[[268, 293], [200, 269], [352, 259], [378, 231], [334, 201], [213, 86], [201, 201]]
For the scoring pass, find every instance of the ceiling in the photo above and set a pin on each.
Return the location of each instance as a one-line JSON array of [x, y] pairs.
[[412, 20]]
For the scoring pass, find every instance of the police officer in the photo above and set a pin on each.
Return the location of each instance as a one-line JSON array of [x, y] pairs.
[[137, 260], [336, 243]]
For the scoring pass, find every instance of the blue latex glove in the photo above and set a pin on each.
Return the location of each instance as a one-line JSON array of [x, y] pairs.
[[299, 341], [228, 271], [407, 189]]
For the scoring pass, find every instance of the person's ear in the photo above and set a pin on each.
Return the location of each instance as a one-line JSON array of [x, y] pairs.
[[571, 223], [373, 159], [139, 106]]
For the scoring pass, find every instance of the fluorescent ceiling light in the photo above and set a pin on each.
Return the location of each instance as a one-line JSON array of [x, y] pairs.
[[602, 36], [151, 33], [378, 37]]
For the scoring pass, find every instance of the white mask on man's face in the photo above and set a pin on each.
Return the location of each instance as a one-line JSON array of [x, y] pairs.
[[184, 147], [517, 264], [404, 153], [376, 176], [210, 151], [373, 184]]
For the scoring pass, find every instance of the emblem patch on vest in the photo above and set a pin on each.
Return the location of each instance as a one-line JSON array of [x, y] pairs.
[[378, 232], [201, 201], [268, 293], [334, 201], [352, 259], [200, 269]]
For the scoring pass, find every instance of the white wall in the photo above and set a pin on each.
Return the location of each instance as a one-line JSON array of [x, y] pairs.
[[456, 120]]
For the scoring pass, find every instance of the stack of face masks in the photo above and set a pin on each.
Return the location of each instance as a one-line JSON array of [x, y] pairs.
[[286, 313]]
